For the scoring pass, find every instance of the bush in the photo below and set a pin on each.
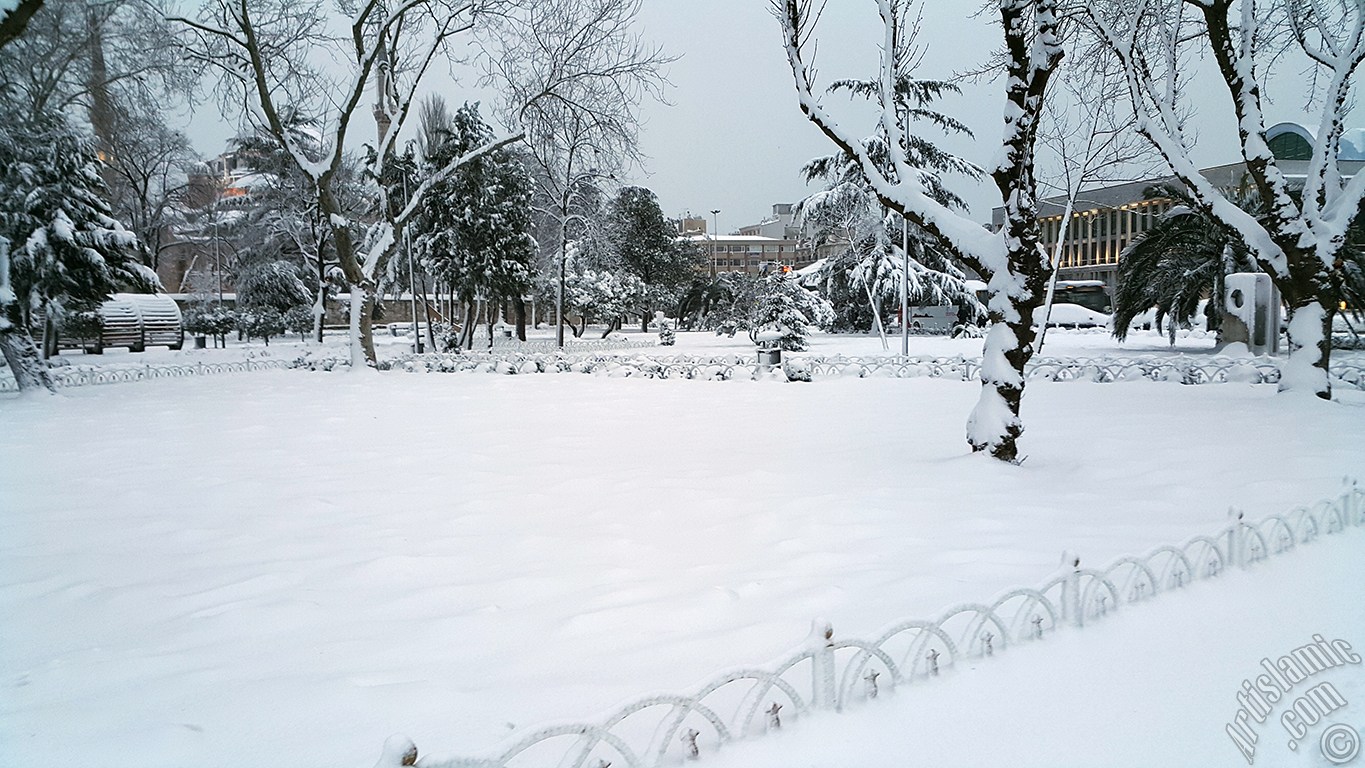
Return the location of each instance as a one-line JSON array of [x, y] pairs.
[[261, 323], [85, 326], [211, 321], [299, 319]]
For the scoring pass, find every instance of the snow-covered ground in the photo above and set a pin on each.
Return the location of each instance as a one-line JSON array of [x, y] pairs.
[[1059, 342], [287, 567]]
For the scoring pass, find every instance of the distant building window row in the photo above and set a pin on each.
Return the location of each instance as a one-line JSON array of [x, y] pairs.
[[1097, 237]]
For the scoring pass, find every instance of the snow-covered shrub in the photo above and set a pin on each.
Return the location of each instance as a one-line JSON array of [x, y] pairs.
[[210, 321], [299, 319], [82, 326], [790, 310], [797, 369], [261, 323], [668, 335], [968, 331]]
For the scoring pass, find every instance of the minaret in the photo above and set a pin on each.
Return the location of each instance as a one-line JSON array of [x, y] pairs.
[[381, 90]]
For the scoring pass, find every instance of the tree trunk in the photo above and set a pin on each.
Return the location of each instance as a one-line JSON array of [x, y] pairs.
[[320, 312], [1310, 349], [644, 321], [490, 309], [24, 361], [426, 312], [519, 310], [28, 368], [50, 334], [467, 333], [994, 424], [362, 328]]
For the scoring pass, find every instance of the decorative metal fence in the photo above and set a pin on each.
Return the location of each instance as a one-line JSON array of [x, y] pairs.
[[1176, 368], [836, 674], [87, 375]]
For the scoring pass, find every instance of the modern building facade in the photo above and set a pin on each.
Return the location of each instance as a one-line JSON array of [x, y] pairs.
[[1105, 220]]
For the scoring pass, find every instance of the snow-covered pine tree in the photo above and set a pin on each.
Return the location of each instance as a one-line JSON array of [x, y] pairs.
[[865, 275], [784, 307], [66, 253], [474, 225]]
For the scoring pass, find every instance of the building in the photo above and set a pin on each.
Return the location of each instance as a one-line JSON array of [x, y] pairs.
[[752, 254], [780, 226], [755, 249], [1105, 220]]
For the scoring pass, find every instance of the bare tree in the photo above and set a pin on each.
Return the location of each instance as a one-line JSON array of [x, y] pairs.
[[147, 168], [585, 127], [267, 52], [1300, 241], [1086, 138], [1011, 259]]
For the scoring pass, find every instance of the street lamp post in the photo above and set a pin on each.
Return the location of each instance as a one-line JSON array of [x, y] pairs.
[[715, 217], [417, 345], [905, 287]]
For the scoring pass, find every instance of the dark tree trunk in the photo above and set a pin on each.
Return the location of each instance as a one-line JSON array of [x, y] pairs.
[[29, 369], [49, 335], [519, 310], [467, 332]]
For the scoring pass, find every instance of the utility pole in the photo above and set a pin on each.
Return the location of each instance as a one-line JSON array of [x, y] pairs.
[[715, 216]]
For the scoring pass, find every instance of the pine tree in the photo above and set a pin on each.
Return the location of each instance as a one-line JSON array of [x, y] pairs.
[[66, 253], [647, 245], [474, 226], [786, 308], [866, 272]]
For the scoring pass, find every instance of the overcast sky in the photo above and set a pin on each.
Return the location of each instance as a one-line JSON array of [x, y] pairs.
[[732, 137]]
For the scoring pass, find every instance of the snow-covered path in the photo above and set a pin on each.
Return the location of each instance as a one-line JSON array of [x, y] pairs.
[[287, 567]]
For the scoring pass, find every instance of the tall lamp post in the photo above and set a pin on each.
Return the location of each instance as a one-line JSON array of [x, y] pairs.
[[905, 287], [715, 217], [412, 275]]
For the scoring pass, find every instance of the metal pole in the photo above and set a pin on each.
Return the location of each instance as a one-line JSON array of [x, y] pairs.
[[715, 216], [905, 287], [559, 291], [412, 276]]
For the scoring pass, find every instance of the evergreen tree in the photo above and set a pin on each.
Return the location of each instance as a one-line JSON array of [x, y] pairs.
[[66, 252], [786, 308], [647, 245], [474, 227], [864, 273]]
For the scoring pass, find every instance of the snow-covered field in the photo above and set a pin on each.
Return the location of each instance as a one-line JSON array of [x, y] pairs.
[[1058, 343], [287, 567]]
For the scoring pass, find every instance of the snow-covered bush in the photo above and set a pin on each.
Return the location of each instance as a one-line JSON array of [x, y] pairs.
[[668, 336], [785, 307], [261, 323], [299, 319], [968, 331], [210, 321], [797, 369]]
